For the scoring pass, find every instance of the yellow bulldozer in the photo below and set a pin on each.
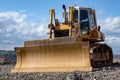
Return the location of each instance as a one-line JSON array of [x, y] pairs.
[[74, 44]]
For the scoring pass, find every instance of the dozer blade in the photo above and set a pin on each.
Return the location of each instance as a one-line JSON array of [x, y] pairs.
[[53, 58]]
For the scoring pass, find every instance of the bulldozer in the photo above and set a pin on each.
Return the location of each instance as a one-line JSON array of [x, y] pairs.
[[74, 44]]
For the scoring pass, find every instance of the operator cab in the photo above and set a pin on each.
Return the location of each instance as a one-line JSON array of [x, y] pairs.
[[86, 18]]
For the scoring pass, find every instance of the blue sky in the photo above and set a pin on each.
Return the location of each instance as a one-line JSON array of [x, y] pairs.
[[22, 20]]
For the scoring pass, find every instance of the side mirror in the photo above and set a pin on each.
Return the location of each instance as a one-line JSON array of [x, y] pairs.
[[98, 28]]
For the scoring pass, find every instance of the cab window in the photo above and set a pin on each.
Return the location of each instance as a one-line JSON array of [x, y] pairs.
[[92, 21], [84, 22], [75, 16]]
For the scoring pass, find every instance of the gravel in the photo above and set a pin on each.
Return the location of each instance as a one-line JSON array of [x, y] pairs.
[[103, 73]]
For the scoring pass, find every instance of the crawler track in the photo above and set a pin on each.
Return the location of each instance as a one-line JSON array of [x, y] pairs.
[[101, 55]]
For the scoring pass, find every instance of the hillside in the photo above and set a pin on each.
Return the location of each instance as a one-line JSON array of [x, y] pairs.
[[7, 56]]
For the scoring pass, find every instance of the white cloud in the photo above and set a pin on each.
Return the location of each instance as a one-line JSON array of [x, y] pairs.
[[0, 30], [8, 35], [111, 28], [112, 24], [100, 12], [115, 41], [15, 28], [12, 14]]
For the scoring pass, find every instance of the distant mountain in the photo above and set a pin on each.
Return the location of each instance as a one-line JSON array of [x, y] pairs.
[[116, 56], [9, 56]]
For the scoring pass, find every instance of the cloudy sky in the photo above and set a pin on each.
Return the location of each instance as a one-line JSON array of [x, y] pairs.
[[22, 20]]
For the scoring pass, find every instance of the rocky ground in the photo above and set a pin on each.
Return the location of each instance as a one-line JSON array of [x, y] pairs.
[[104, 73]]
